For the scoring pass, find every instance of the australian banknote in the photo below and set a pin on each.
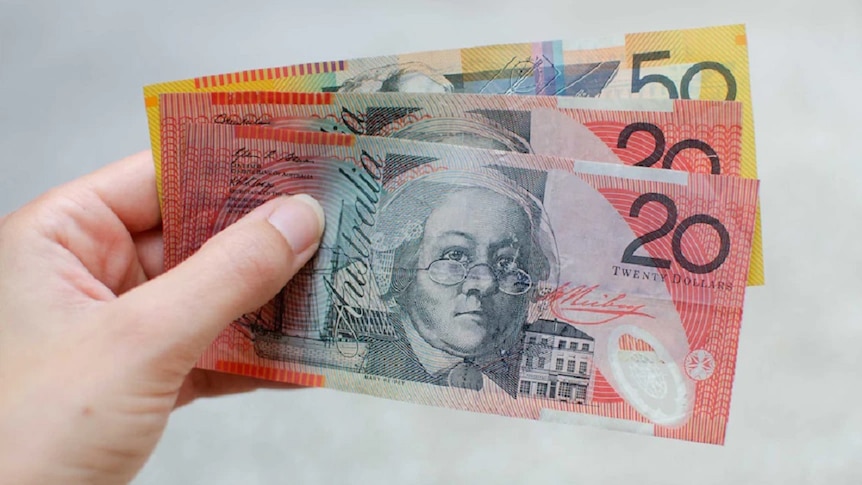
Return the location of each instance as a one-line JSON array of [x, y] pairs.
[[498, 282], [694, 136]]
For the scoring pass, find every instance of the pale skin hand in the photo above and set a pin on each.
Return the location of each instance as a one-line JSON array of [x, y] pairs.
[[95, 349]]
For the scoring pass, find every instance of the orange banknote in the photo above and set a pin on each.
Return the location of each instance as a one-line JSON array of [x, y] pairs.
[[522, 285]]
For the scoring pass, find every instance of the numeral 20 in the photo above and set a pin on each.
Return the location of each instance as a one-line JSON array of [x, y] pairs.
[[639, 82], [629, 255], [658, 135]]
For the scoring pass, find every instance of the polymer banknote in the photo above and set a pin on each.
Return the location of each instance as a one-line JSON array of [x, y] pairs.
[[517, 284]]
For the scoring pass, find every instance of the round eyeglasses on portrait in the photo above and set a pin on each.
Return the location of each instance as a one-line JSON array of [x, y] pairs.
[[451, 272]]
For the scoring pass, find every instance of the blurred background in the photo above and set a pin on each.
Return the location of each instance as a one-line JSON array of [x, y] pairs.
[[71, 78]]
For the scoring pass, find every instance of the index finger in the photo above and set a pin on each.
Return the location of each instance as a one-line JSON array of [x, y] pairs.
[[128, 188]]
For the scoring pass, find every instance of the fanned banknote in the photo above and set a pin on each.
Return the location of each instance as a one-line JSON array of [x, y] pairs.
[[694, 136], [704, 63], [498, 282], [514, 69]]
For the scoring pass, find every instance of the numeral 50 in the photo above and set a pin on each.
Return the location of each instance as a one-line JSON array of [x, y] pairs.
[[639, 82]]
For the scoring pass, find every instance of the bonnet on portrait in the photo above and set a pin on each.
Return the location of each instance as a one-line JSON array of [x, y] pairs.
[[389, 77], [401, 224], [464, 132]]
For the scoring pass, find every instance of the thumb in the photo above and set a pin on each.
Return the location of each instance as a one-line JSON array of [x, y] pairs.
[[237, 271]]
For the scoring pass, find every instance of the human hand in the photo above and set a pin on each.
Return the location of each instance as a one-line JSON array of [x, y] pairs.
[[98, 343]]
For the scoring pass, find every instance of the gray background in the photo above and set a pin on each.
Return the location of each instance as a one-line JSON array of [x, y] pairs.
[[71, 78]]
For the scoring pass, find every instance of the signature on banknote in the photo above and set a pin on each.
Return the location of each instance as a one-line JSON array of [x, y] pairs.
[[589, 305], [245, 119]]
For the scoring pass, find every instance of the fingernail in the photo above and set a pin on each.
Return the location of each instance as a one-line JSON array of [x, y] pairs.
[[300, 220]]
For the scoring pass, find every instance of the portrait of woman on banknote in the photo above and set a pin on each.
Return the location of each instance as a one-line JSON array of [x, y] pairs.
[[459, 258]]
